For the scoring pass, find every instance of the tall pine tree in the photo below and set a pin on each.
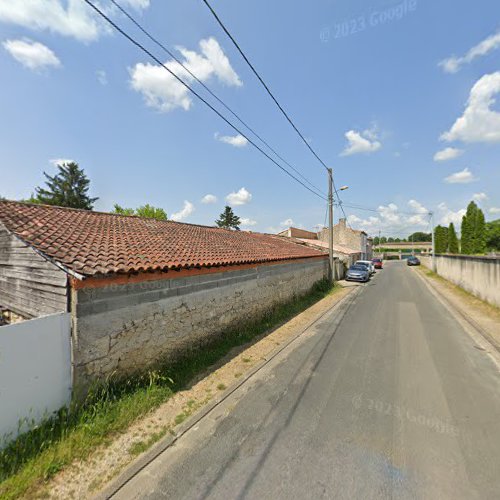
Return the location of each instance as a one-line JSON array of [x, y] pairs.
[[228, 219], [68, 188], [452, 239]]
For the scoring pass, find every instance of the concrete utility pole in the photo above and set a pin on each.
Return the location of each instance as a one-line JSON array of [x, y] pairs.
[[330, 225], [433, 247]]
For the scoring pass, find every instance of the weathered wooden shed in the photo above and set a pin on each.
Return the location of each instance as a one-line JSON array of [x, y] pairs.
[[30, 284]]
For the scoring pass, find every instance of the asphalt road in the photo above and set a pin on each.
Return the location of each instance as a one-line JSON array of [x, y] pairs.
[[389, 397]]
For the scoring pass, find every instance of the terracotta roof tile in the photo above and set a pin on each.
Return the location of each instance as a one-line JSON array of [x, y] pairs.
[[93, 243]]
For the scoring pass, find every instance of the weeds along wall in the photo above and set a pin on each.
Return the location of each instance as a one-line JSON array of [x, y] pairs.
[[123, 328]]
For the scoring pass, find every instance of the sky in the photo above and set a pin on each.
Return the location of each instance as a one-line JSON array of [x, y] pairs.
[[400, 98]]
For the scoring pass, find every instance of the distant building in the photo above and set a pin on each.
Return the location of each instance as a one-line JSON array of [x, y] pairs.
[[294, 232], [343, 253], [351, 238]]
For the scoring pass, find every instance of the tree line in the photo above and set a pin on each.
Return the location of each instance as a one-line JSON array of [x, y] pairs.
[[476, 238], [69, 187]]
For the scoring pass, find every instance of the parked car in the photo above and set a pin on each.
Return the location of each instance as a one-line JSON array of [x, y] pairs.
[[413, 261], [377, 263], [358, 273], [368, 263]]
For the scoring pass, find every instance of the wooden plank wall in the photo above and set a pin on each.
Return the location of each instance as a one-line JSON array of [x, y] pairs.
[[29, 285]]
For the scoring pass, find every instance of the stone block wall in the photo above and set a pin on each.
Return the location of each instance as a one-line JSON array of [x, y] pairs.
[[125, 328]]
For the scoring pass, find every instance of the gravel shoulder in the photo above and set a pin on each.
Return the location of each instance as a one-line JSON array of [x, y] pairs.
[[85, 479]]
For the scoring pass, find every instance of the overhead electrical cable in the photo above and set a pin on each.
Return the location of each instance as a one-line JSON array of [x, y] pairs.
[[266, 87], [180, 80], [178, 61]]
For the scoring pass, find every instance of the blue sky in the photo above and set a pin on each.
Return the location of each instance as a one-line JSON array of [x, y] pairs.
[[361, 78]]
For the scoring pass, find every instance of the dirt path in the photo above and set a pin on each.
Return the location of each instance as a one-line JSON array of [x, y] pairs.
[[83, 479]]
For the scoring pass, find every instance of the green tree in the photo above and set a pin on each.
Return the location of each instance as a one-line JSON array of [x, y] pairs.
[[376, 241], [479, 233], [228, 219], [147, 211], [473, 237], [452, 239], [420, 236], [117, 209], [390, 240], [441, 239], [68, 188], [493, 235], [383, 240]]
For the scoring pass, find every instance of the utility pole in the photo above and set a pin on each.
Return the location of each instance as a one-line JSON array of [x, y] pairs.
[[433, 247], [330, 225]]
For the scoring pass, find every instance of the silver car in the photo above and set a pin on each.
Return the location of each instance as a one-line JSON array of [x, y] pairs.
[[368, 263], [357, 273]]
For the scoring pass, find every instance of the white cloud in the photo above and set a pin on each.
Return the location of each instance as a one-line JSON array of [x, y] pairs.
[[186, 211], [479, 123], [164, 92], [238, 141], [102, 77], [240, 197], [494, 210], [71, 18], [209, 198], [361, 142], [453, 64], [391, 219], [60, 161], [287, 223], [480, 197], [446, 215], [248, 222], [448, 154], [32, 55], [463, 177]]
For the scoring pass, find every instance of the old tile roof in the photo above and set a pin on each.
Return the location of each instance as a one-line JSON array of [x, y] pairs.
[[93, 243]]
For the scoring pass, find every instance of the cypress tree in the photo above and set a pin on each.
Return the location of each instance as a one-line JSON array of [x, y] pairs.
[[479, 233], [441, 239], [467, 230], [452, 239]]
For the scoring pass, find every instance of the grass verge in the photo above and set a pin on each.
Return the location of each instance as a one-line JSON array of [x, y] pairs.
[[73, 434], [470, 297]]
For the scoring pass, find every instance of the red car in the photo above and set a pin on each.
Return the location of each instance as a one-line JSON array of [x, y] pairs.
[[377, 263]]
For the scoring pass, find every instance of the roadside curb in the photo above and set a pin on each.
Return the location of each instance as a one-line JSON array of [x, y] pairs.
[[456, 310], [137, 465]]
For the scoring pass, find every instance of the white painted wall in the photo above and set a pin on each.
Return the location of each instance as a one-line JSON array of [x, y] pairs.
[[35, 371]]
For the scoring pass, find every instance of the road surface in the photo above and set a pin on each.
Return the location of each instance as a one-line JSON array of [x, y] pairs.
[[394, 399]]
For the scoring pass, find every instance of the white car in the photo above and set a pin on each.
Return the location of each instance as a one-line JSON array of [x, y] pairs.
[[368, 263]]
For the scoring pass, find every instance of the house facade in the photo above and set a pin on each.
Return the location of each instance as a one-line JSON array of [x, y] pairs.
[[142, 291], [351, 238]]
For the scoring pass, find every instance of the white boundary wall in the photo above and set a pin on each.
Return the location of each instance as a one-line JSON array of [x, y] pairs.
[[35, 371], [478, 275]]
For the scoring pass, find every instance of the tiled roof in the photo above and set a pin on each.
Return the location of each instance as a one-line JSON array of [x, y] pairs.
[[92, 243], [324, 245]]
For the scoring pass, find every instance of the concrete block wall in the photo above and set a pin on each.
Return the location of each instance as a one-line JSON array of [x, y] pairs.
[[478, 275], [124, 328]]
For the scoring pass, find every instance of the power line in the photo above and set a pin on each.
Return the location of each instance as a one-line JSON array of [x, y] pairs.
[[180, 80], [178, 61], [261, 80], [367, 209]]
